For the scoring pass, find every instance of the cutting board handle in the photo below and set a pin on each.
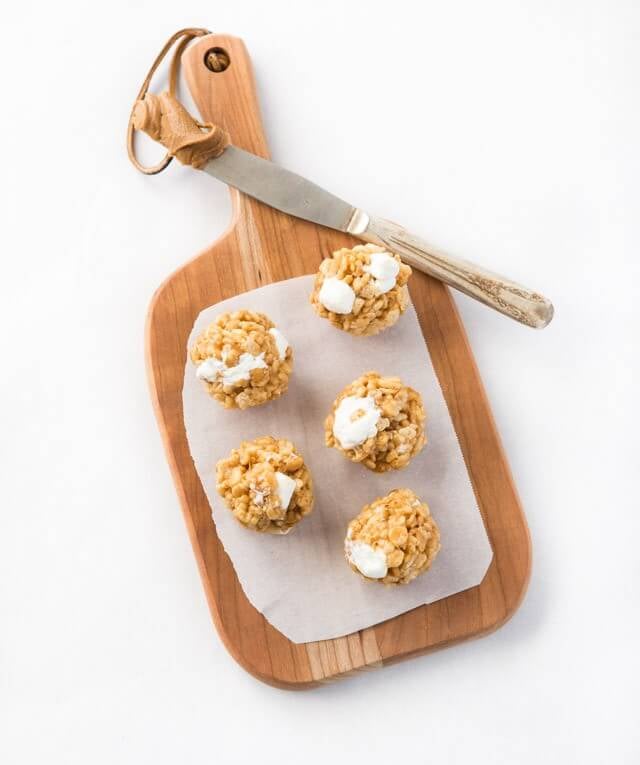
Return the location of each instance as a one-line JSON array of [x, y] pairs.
[[228, 97]]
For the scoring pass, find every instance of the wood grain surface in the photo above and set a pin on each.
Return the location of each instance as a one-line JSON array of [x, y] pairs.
[[261, 246]]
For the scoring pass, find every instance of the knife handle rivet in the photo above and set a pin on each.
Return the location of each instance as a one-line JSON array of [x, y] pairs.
[[216, 59]]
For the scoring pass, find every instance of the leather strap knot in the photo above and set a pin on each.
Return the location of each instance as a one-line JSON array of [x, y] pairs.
[[166, 120]]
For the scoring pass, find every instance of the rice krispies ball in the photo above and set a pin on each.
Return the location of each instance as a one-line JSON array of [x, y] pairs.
[[243, 359], [377, 421], [266, 485], [363, 290], [393, 540]]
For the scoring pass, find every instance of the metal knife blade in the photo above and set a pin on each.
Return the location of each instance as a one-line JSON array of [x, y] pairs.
[[286, 191], [295, 195]]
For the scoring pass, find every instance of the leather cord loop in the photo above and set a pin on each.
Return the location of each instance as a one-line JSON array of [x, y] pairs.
[[183, 38]]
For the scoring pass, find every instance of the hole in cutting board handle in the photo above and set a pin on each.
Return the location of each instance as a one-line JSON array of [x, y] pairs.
[[216, 60]]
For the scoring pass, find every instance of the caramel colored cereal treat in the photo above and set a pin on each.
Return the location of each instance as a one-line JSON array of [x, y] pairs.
[[393, 540], [377, 421], [266, 485], [243, 360], [363, 290]]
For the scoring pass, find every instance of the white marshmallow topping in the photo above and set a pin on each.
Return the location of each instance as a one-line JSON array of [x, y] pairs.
[[281, 342], [285, 489], [384, 268], [351, 430], [336, 296], [369, 562], [211, 369]]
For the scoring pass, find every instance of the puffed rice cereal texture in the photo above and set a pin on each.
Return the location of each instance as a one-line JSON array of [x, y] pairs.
[[226, 340], [372, 312], [401, 526], [246, 480], [400, 430]]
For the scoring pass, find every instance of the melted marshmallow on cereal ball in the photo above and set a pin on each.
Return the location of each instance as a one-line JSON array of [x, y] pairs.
[[393, 540], [243, 359], [362, 290], [266, 485], [377, 421]]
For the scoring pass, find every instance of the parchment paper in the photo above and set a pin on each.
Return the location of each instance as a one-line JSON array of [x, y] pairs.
[[301, 582]]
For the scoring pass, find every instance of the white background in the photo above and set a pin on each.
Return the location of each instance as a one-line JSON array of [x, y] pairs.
[[506, 132]]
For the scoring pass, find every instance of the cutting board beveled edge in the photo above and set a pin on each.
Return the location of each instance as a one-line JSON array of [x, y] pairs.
[[263, 246]]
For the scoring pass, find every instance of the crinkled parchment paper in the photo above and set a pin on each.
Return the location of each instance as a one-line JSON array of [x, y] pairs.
[[301, 582]]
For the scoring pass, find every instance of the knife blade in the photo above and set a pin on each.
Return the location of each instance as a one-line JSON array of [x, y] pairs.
[[294, 195], [286, 191]]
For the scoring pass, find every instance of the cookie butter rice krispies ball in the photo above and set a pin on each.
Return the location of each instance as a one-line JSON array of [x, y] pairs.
[[377, 421], [266, 485], [393, 540], [243, 359], [362, 290]]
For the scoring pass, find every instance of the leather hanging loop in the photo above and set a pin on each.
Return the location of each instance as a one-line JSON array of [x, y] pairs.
[[147, 111], [166, 120]]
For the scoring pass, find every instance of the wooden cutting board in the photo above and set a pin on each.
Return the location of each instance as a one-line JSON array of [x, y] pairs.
[[261, 246]]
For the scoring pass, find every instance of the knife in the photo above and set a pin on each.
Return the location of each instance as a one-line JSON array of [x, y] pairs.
[[166, 120], [292, 194]]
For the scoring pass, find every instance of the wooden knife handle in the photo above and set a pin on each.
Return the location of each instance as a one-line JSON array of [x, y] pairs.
[[507, 297]]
